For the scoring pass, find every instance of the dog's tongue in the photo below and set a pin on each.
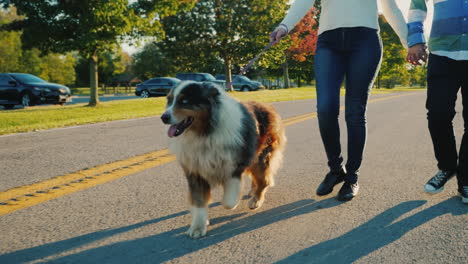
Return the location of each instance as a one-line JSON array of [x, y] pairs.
[[172, 131]]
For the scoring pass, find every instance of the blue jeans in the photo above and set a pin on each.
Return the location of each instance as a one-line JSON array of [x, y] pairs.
[[353, 54]]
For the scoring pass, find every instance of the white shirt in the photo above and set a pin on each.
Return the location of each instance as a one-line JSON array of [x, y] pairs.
[[349, 13]]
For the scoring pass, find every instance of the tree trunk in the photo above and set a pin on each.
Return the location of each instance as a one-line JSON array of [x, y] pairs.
[[378, 81], [227, 72], [287, 83], [93, 78]]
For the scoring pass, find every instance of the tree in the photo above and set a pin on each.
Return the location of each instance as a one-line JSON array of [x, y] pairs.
[[300, 45], [230, 30], [110, 63], [90, 27], [152, 62], [303, 43], [10, 44], [13, 58], [393, 68]]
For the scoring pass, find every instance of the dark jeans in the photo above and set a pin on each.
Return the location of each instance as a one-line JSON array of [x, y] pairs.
[[353, 54], [444, 79]]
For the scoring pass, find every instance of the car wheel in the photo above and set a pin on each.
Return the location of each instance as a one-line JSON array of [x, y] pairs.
[[145, 94], [245, 89], [25, 100]]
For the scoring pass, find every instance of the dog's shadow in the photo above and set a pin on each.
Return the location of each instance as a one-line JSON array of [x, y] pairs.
[[163, 246]]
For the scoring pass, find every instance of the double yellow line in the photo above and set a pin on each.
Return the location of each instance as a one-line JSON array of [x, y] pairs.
[[29, 195]]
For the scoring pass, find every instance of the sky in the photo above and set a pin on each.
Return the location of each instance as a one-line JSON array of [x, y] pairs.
[[403, 4]]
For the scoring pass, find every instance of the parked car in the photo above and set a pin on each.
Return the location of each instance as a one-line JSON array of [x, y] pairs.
[[158, 86], [242, 83], [200, 77], [28, 90]]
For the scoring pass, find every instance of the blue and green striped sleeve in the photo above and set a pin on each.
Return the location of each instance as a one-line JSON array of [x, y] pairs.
[[416, 17]]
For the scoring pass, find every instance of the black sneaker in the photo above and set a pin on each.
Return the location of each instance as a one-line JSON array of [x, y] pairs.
[[436, 183], [331, 179], [463, 193], [348, 191]]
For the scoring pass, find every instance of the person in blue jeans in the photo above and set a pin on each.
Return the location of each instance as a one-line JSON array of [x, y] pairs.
[[348, 48]]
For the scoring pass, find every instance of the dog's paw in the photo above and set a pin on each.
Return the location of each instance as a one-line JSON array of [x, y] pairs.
[[197, 231], [230, 203], [255, 203]]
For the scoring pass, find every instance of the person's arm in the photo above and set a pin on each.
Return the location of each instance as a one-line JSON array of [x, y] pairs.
[[296, 12], [395, 18], [416, 40]]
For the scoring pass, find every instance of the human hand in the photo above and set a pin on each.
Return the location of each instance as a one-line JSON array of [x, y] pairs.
[[416, 54], [278, 34]]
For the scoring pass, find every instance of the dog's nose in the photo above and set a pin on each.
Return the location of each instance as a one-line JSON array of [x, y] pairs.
[[166, 118]]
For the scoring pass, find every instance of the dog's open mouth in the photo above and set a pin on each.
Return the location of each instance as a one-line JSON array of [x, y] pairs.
[[177, 129]]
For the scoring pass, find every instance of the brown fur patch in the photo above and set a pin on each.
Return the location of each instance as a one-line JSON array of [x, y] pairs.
[[200, 191], [200, 119]]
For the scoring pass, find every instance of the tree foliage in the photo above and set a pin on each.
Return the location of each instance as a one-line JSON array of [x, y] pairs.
[[393, 69], [90, 27], [13, 58], [110, 63], [230, 30], [152, 62], [304, 37]]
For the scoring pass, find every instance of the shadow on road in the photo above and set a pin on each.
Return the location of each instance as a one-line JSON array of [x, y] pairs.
[[376, 233], [164, 246], [173, 244]]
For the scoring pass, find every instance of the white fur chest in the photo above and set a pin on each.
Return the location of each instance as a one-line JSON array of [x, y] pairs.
[[213, 160]]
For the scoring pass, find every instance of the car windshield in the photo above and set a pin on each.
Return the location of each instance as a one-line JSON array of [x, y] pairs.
[[243, 78], [28, 78], [209, 77]]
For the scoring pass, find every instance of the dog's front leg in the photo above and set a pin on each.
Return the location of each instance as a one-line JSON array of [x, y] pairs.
[[199, 198], [232, 191]]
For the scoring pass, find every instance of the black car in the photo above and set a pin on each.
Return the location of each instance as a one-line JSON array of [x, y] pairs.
[[28, 90], [200, 77], [158, 86], [242, 83]]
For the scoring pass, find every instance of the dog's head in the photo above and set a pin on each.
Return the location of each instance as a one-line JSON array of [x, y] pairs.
[[190, 106]]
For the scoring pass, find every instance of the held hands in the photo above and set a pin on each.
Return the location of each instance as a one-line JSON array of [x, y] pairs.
[[277, 35], [417, 54]]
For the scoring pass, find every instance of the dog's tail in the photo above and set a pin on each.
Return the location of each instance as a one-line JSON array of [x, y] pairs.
[[272, 140]]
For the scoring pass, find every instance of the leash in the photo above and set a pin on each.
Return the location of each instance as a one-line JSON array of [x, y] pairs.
[[251, 62]]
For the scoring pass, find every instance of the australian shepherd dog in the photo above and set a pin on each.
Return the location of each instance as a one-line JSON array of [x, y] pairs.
[[217, 139]]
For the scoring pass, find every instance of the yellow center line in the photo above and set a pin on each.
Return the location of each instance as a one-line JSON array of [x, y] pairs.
[[28, 195]]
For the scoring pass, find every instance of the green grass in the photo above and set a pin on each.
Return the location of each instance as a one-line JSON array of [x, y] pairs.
[[47, 117]]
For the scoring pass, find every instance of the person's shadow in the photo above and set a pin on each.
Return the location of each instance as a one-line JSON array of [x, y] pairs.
[[173, 244], [374, 234]]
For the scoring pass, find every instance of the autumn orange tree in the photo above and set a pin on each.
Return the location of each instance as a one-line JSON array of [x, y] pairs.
[[293, 55], [298, 58], [304, 37]]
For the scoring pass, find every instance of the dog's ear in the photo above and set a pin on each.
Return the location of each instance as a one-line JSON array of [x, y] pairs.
[[210, 90]]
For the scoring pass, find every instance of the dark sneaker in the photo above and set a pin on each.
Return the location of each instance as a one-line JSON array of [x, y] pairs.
[[436, 183], [331, 179], [348, 191], [464, 194]]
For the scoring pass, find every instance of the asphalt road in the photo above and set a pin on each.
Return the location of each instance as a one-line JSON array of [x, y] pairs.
[[142, 217], [85, 99]]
